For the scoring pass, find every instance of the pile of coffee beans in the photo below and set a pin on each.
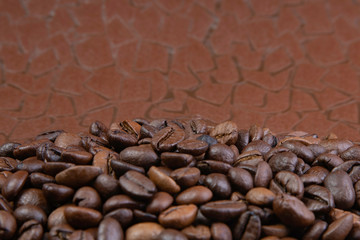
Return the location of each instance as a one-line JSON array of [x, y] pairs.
[[183, 178]]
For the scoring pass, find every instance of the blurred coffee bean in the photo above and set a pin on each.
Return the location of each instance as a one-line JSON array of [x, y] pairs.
[[178, 217]]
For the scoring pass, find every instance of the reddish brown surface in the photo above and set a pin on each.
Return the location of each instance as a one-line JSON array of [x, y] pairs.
[[286, 65]]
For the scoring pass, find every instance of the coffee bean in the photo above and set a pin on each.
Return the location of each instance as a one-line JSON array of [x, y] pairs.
[[160, 202], [162, 181], [120, 201], [176, 160], [285, 161], [223, 210], [225, 133], [76, 156], [248, 226], [263, 175], [39, 179], [14, 184], [195, 195], [220, 231], [208, 139], [144, 231], [31, 230], [171, 234], [30, 212], [213, 166], [336, 144], [32, 196], [7, 225], [178, 217], [7, 164], [106, 186], [318, 199], [186, 177], [200, 232], [243, 139], [221, 152], [316, 230], [57, 217], [87, 197], [31, 165], [166, 139], [328, 160], [258, 145], [7, 149], [77, 176], [81, 217], [339, 229], [278, 230], [123, 215], [300, 150], [341, 187], [292, 212], [64, 140], [255, 133], [143, 156], [218, 184], [57, 194], [137, 185], [287, 182], [192, 146], [241, 179], [110, 229], [260, 196], [352, 167]]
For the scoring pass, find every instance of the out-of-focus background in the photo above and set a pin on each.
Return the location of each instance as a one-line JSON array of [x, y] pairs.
[[283, 64]]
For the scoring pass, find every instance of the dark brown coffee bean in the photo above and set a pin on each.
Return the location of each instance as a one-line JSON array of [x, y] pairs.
[[7, 225], [120, 139], [32, 196], [208, 139], [162, 181], [225, 133], [98, 129], [221, 152], [285, 161], [243, 139], [5, 205], [287, 182], [137, 185], [167, 138], [121, 167], [336, 144], [340, 185], [253, 157], [53, 168], [14, 184], [328, 160], [255, 133], [57, 217], [200, 232], [31, 230], [144, 231], [87, 197], [39, 179], [213, 166], [76, 156], [318, 199], [57, 194], [263, 175], [220, 231], [6, 150], [123, 215], [31, 165], [278, 230], [270, 139], [30, 212], [339, 229], [60, 232], [142, 156], [160, 202], [260, 196], [351, 153], [147, 131], [223, 210], [316, 230], [77, 176], [248, 226], [171, 234], [8, 164], [292, 212], [352, 167], [218, 184], [300, 150], [106, 186], [120, 201], [186, 177], [81, 235], [192, 146], [195, 195], [258, 145], [64, 140], [241, 179], [178, 217], [24, 151], [110, 229], [176, 160], [80, 217]]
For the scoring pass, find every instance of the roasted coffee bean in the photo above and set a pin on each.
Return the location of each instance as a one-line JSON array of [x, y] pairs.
[[328, 160], [81, 235], [336, 144], [285, 161], [225, 133], [39, 179], [243, 139], [287, 182], [53, 168], [200, 232], [8, 164], [98, 129], [258, 145], [167, 138], [352, 167], [220, 231], [316, 230], [192, 146], [30, 212], [176, 160], [121, 167], [253, 157], [31, 165], [221, 152], [80, 217], [318, 199], [160, 202], [137, 185], [7, 149], [57, 194], [64, 140], [162, 181], [218, 184], [178, 217], [120, 139], [142, 156], [87, 197], [213, 166], [341, 187], [147, 131], [248, 226], [4, 204], [255, 133], [241, 179], [195, 195], [300, 150], [123, 215], [7, 225], [31, 230], [77, 176], [32, 196], [351, 153], [186, 177], [339, 229], [24, 151], [106, 185], [120, 201], [144, 231], [57, 217], [76, 156], [208, 139], [263, 175], [110, 229], [270, 139], [171, 234], [292, 212], [14, 184], [223, 210], [260, 196], [278, 230]]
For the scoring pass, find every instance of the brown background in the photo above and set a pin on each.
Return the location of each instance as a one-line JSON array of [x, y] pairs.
[[287, 65]]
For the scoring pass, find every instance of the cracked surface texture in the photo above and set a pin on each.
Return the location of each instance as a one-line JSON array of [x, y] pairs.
[[283, 64]]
